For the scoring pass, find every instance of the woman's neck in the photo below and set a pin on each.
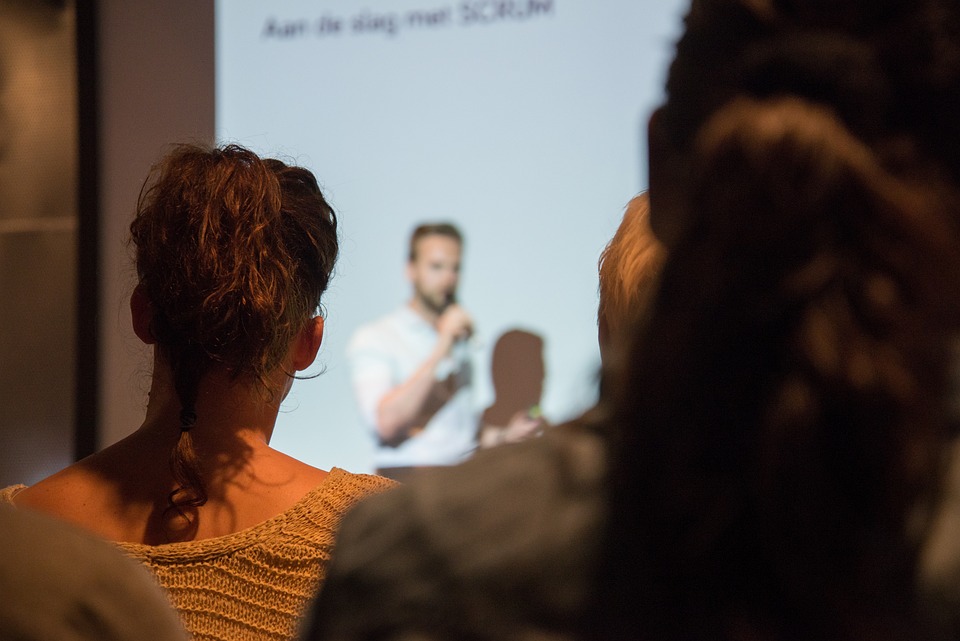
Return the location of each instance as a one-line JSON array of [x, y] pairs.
[[226, 409]]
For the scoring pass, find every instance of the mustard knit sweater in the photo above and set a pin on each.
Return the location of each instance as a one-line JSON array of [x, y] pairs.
[[254, 584]]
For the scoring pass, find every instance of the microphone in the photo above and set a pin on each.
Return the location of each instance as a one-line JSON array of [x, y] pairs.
[[451, 299], [470, 339]]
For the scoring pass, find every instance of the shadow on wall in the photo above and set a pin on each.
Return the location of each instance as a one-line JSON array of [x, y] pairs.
[[517, 371]]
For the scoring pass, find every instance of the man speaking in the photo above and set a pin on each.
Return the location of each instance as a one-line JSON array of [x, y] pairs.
[[411, 370]]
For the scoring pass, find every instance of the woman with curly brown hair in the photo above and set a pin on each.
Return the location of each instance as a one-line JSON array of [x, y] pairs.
[[233, 253]]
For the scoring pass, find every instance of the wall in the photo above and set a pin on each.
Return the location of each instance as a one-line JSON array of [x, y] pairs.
[[156, 87], [38, 238]]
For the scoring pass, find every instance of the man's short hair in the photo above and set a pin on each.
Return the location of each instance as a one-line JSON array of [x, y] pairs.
[[433, 229]]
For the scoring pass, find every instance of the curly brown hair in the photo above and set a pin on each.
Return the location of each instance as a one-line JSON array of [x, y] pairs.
[[233, 253]]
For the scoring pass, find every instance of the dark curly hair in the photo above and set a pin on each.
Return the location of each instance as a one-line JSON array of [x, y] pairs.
[[779, 432], [233, 253]]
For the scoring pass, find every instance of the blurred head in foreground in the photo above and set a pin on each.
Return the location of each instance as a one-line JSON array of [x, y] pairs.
[[785, 408]]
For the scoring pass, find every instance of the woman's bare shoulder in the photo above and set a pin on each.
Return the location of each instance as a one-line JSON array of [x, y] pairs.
[[288, 476], [97, 494], [67, 494]]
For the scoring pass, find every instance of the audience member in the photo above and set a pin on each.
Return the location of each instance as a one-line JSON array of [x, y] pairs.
[[788, 403], [61, 583], [766, 465], [629, 266], [233, 253]]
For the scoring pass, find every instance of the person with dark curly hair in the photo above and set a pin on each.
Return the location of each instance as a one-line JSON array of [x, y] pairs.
[[233, 253], [767, 460]]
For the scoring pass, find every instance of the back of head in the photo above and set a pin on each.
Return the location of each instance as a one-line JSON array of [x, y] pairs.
[[783, 418], [233, 253], [628, 269], [61, 583], [884, 67]]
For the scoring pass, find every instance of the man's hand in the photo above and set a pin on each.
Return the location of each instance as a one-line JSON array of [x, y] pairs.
[[522, 426], [454, 324]]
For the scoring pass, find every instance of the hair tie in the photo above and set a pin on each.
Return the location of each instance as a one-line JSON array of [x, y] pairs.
[[188, 418]]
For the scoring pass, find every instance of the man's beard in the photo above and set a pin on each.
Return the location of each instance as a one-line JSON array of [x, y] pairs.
[[436, 303]]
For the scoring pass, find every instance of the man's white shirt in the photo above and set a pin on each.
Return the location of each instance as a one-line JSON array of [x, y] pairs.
[[385, 353]]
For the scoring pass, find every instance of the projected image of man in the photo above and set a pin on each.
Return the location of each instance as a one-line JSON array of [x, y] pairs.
[[412, 372]]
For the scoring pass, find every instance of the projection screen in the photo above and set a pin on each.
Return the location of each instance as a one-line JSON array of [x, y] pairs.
[[521, 121]]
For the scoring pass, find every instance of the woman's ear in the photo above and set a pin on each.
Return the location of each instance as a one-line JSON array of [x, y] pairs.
[[669, 184], [141, 312], [307, 344]]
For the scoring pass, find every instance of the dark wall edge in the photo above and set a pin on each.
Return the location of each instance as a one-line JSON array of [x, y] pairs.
[[87, 412]]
